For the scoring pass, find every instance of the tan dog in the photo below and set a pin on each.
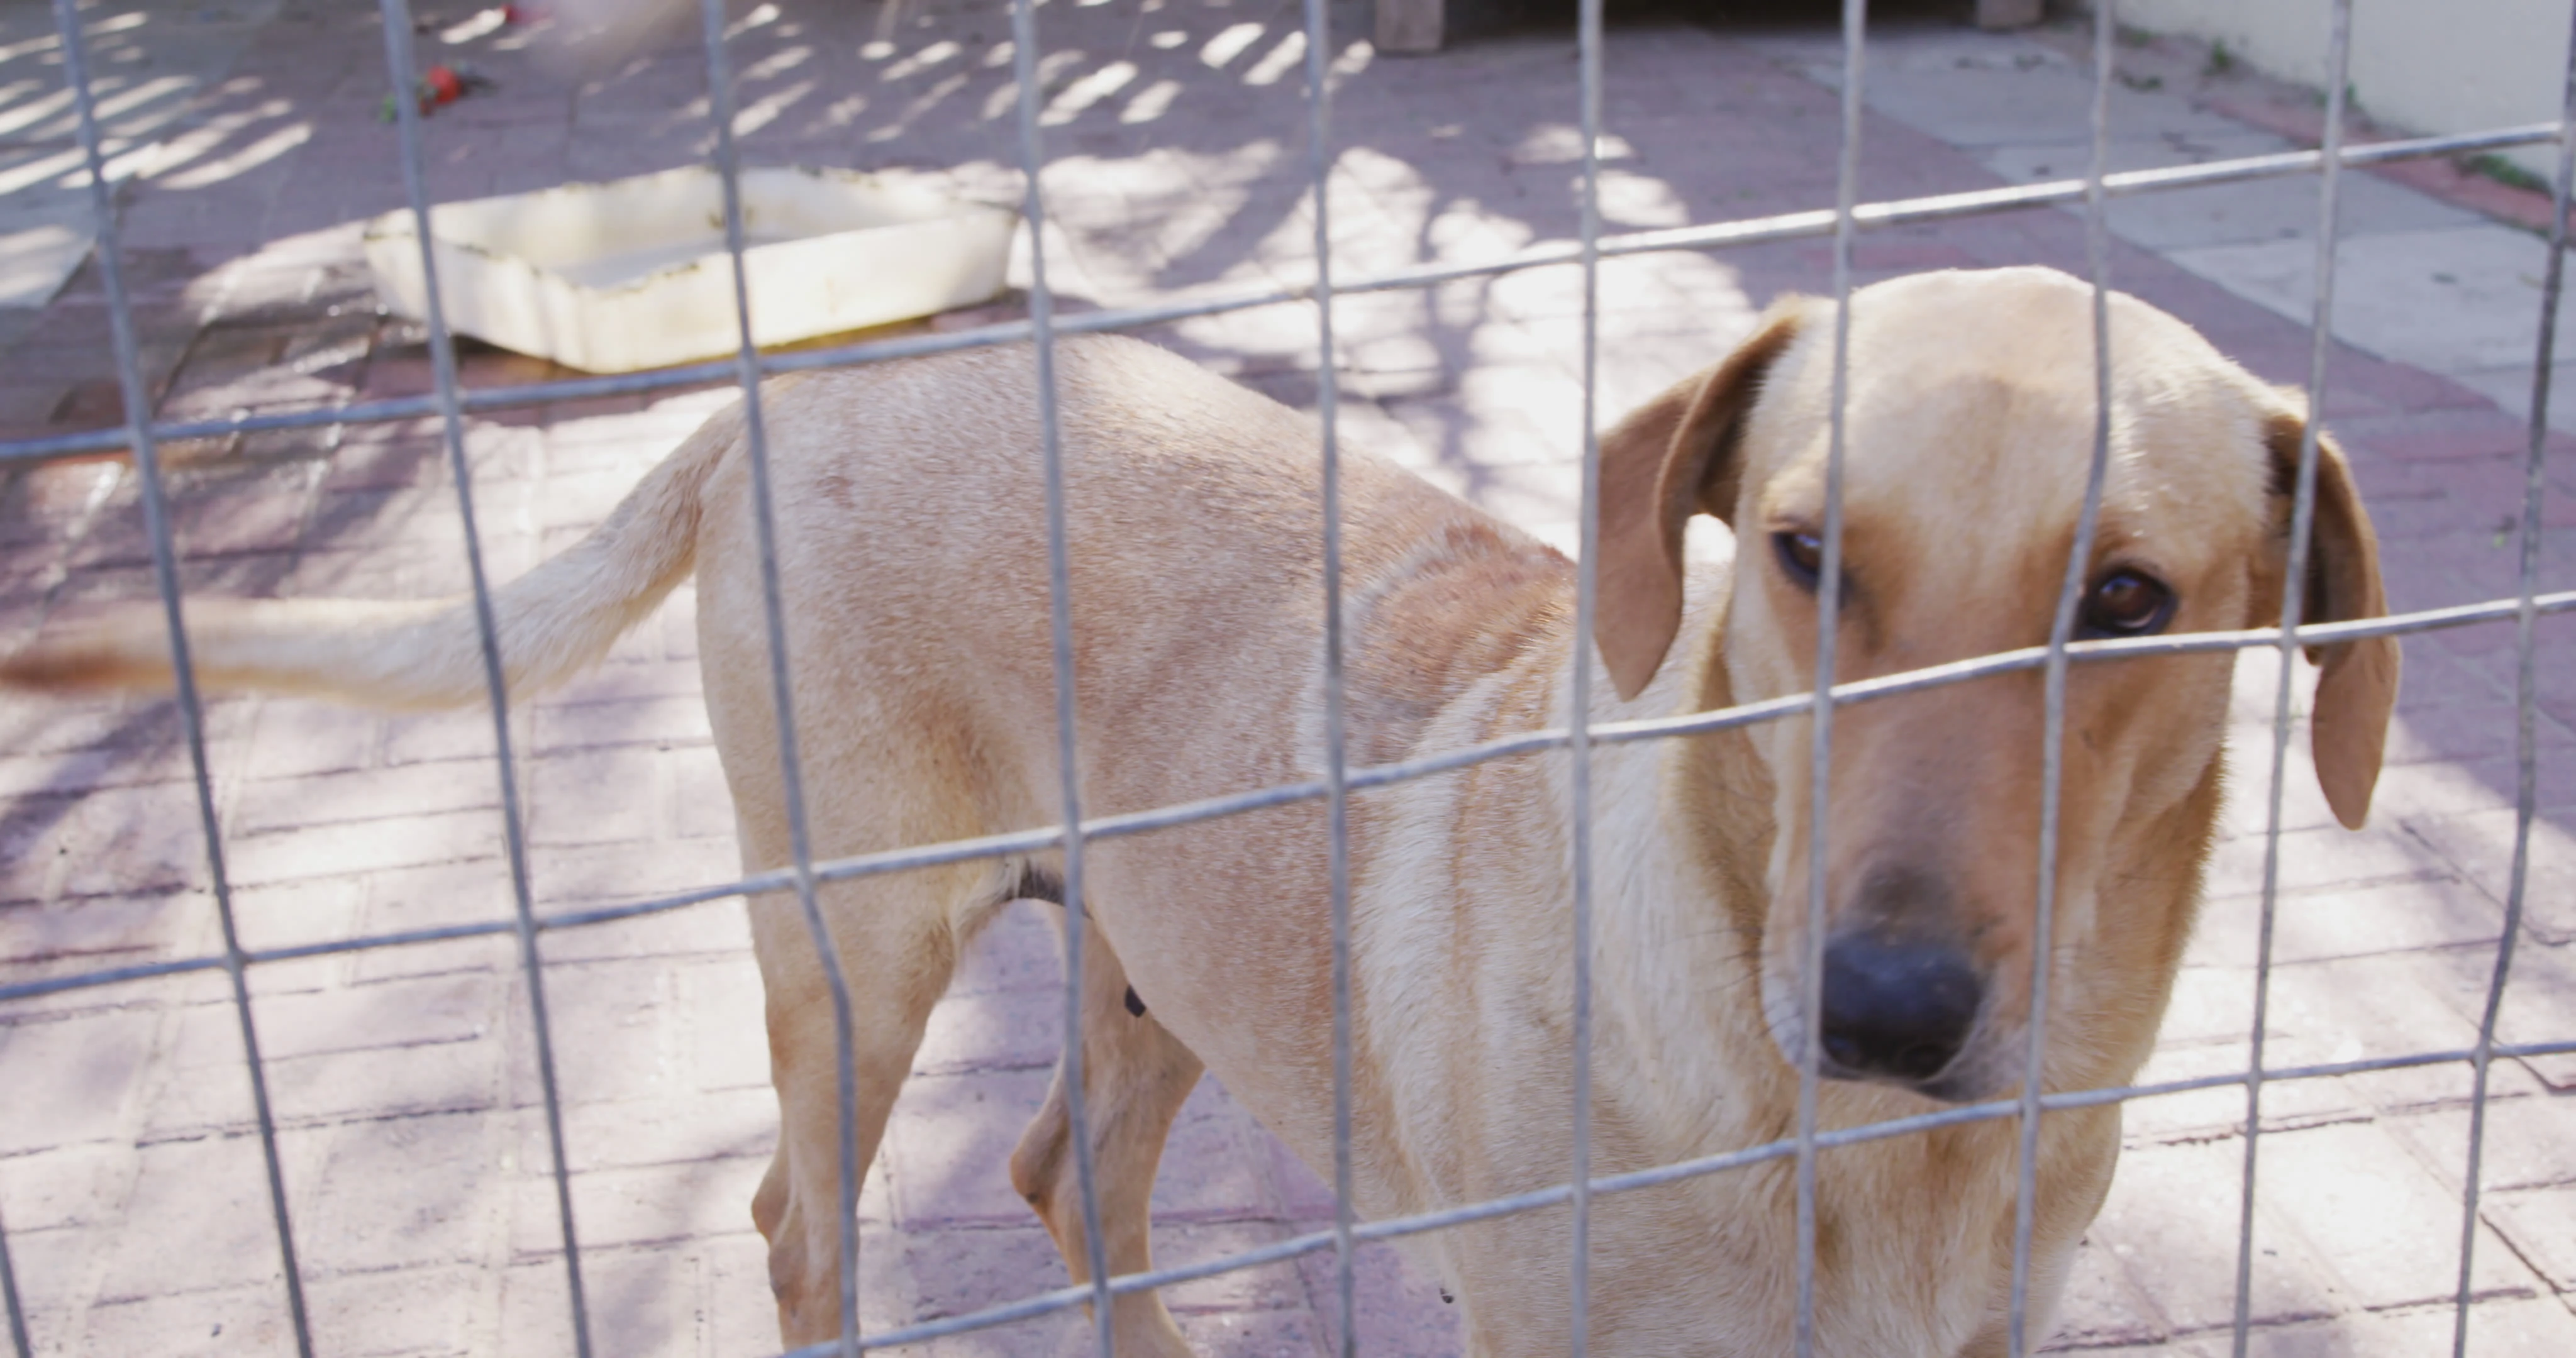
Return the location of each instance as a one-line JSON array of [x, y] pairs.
[[912, 546]]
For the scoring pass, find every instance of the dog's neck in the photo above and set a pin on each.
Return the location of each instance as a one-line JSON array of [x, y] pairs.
[[1684, 828]]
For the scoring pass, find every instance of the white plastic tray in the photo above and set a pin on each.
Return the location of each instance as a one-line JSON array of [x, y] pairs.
[[632, 273]]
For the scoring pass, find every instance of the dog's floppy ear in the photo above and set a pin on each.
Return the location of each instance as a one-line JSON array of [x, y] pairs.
[[2357, 688], [1672, 457]]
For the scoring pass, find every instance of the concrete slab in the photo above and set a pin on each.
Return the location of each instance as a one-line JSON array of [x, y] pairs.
[[2452, 300], [1994, 89], [2257, 210], [2510, 389], [2419, 280]]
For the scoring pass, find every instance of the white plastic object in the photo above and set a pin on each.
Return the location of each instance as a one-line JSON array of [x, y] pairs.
[[632, 273]]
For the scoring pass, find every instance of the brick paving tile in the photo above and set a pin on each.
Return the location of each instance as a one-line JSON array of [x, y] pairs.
[[404, 1079]]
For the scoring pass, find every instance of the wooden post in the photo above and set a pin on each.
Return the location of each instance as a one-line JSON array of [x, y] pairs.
[[1409, 25]]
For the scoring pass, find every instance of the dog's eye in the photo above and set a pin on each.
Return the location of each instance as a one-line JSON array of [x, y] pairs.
[[2126, 604], [1802, 555]]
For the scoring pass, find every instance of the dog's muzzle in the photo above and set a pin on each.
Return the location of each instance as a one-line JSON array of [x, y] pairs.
[[1896, 1008]]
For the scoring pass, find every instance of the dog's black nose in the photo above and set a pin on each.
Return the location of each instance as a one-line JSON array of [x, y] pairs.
[[1896, 1006]]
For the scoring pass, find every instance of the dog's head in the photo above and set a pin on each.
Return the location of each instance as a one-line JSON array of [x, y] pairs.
[[1969, 434]]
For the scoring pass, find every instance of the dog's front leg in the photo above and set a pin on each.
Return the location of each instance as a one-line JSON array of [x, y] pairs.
[[1135, 1076]]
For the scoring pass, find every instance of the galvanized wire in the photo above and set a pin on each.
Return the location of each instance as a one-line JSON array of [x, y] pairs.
[[1785, 1148], [1336, 751], [1820, 750], [782, 695], [1587, 590], [1024, 57], [1039, 840], [399, 66], [2052, 757], [1650, 729], [1842, 223], [137, 394], [2293, 603], [1746, 231], [2526, 746], [18, 1340]]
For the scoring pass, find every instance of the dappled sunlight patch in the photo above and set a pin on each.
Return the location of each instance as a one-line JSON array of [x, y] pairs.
[[1464, 228], [66, 172], [35, 260], [763, 111], [922, 60], [1228, 44], [1006, 97], [1562, 144], [1640, 201], [760, 16], [1278, 61], [215, 170], [1087, 91], [777, 63], [928, 100], [840, 113], [474, 26], [1151, 102]]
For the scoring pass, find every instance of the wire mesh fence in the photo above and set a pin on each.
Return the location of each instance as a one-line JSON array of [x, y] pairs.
[[449, 403]]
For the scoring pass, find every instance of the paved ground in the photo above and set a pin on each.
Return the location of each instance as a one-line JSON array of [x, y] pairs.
[[415, 1158]]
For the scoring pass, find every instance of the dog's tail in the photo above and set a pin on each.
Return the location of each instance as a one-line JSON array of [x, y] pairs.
[[551, 622]]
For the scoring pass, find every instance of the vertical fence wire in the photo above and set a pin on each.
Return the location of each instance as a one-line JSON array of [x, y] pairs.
[[18, 1341], [1336, 753], [791, 768], [1829, 579], [137, 395], [2061, 631], [396, 18], [2526, 639], [1587, 588], [399, 52], [2293, 601], [1024, 56]]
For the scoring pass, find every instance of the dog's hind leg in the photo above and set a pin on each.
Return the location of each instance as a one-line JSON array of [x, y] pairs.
[[1135, 1076], [897, 938]]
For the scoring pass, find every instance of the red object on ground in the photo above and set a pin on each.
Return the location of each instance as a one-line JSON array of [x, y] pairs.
[[441, 86]]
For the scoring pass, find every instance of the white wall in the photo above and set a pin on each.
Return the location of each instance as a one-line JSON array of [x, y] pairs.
[[2425, 65]]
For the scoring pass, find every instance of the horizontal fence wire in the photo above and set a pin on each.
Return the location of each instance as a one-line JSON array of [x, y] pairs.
[[449, 402], [1396, 1228], [1018, 842], [1748, 231]]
